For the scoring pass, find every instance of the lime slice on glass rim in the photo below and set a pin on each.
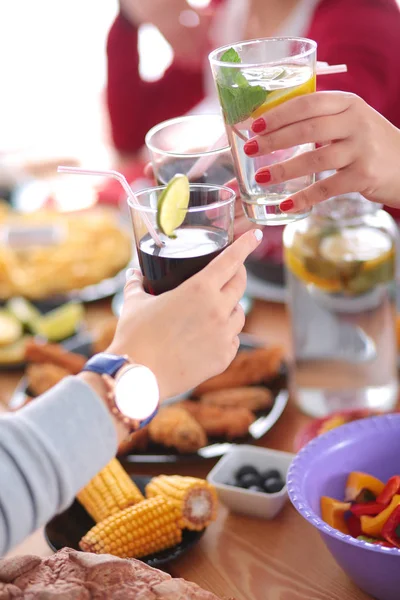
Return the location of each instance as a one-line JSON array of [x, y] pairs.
[[173, 204]]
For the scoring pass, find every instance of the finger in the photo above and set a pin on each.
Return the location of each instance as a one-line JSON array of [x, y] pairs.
[[233, 185], [342, 182], [234, 289], [303, 108], [328, 158], [148, 171], [134, 282], [224, 266], [241, 225], [237, 320], [305, 132]]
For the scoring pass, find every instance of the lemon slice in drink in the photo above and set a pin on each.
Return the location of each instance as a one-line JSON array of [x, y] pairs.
[[10, 328], [277, 97], [59, 323], [173, 204]]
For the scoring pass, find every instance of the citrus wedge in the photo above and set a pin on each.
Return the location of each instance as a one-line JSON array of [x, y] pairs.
[[370, 246], [173, 204], [277, 97], [10, 328], [13, 353], [23, 310], [59, 323], [295, 265]]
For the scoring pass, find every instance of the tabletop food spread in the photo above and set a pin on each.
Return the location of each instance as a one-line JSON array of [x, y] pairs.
[[277, 478]]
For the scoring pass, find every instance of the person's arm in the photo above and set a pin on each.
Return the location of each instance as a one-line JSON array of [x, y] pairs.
[[49, 450], [364, 34], [135, 105]]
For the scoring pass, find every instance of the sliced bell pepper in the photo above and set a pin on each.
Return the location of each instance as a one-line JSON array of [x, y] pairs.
[[367, 508], [353, 525], [391, 488], [357, 482], [391, 529], [364, 538], [372, 526], [333, 513]]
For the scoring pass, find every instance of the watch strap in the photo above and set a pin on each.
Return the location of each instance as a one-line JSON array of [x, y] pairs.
[[105, 364]]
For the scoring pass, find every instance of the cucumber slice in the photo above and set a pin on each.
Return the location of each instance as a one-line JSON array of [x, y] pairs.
[[173, 204], [10, 328], [60, 323], [23, 310]]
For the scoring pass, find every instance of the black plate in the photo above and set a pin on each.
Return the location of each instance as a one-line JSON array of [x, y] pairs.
[[217, 446], [68, 528]]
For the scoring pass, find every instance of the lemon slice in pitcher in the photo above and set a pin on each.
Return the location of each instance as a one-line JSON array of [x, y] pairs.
[[277, 97], [173, 204]]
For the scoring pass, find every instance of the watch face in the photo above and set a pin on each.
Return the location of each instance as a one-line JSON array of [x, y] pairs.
[[136, 393]]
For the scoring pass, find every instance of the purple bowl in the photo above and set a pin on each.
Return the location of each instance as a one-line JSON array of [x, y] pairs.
[[321, 469]]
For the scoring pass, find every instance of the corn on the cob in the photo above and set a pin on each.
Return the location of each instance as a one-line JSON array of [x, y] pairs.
[[195, 498], [110, 491], [140, 530]]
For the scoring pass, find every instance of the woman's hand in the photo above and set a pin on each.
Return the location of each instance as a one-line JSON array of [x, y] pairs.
[[353, 139], [190, 333], [185, 29]]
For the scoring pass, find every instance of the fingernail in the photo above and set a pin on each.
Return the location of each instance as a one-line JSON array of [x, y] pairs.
[[259, 125], [258, 234], [263, 176], [286, 205], [129, 273], [251, 147]]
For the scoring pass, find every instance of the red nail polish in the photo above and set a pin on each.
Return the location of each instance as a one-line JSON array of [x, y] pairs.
[[263, 176], [251, 147], [286, 205], [259, 125]]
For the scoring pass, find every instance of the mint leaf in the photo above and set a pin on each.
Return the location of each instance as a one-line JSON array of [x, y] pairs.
[[238, 98]]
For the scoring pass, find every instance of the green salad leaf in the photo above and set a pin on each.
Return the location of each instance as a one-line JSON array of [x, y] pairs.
[[238, 98]]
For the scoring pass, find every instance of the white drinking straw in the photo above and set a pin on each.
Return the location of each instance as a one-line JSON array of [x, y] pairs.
[[331, 69], [119, 177]]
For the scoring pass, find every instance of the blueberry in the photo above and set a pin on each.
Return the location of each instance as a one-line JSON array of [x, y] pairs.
[[271, 474], [255, 488], [245, 470], [273, 485], [248, 480]]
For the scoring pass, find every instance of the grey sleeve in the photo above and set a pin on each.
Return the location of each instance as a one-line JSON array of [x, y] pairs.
[[48, 451]]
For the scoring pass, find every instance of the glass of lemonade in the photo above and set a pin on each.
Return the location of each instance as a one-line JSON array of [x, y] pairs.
[[194, 145], [251, 78], [206, 229]]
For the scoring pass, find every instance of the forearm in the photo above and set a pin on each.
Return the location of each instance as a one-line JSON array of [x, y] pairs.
[[48, 452]]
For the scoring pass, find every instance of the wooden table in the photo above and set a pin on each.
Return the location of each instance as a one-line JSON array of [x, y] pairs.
[[240, 557]]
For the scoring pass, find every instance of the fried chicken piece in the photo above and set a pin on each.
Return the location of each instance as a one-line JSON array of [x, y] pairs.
[[248, 367], [36, 352], [252, 397], [136, 441], [220, 422], [104, 335], [43, 377], [175, 427]]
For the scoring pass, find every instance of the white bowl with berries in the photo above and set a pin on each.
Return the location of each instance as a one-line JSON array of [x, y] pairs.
[[252, 480]]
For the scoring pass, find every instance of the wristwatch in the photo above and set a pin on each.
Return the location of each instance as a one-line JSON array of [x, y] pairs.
[[132, 390]]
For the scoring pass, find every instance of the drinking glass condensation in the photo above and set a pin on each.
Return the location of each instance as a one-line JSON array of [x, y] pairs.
[[194, 145], [267, 72], [206, 230]]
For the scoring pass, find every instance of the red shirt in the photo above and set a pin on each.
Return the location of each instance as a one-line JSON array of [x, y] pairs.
[[364, 34]]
